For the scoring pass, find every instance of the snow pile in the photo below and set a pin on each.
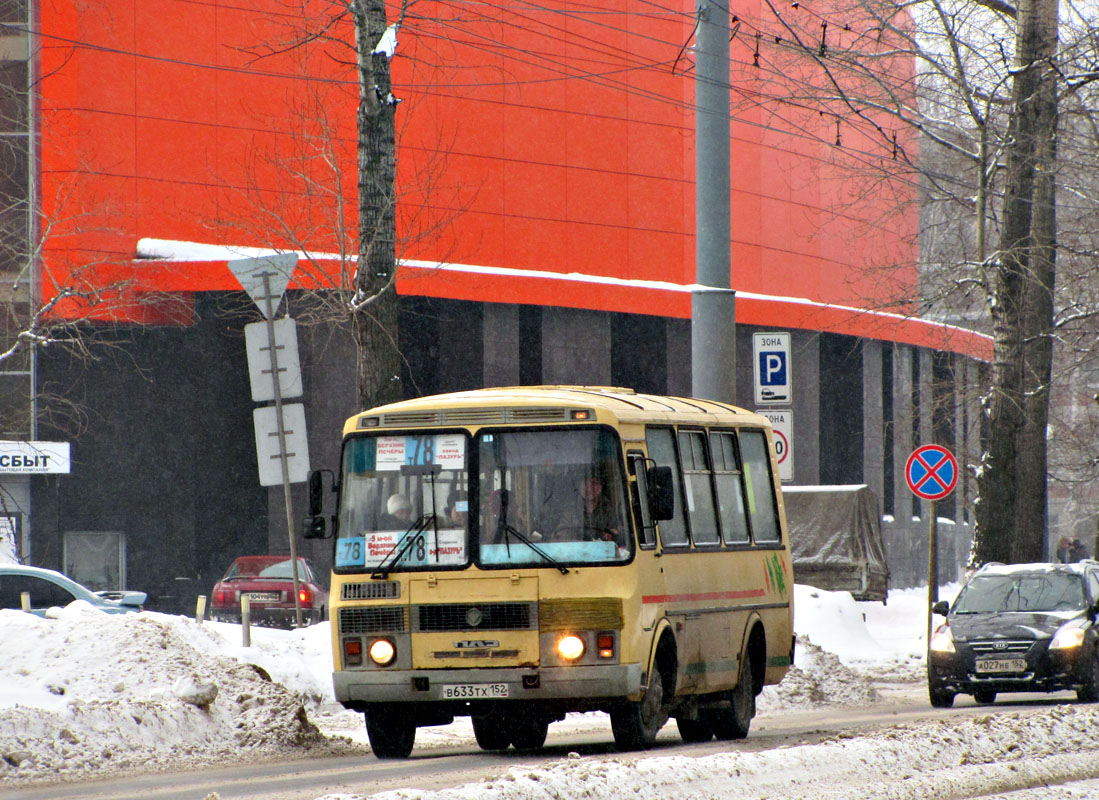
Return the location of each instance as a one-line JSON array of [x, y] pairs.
[[88, 692], [817, 678]]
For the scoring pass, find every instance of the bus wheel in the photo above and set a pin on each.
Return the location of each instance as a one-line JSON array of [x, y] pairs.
[[392, 733], [635, 725], [733, 722], [693, 731], [529, 733], [491, 731]]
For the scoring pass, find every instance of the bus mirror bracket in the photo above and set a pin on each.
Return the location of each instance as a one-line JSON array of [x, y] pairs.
[[661, 492]]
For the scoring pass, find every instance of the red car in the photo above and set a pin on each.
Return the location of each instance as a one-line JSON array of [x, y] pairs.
[[268, 581]]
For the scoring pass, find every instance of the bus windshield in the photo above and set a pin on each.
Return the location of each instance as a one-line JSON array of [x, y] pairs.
[[538, 498], [551, 495]]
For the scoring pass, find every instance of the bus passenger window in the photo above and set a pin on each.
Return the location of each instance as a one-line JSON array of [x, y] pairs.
[[673, 532], [761, 492], [730, 489], [699, 491]]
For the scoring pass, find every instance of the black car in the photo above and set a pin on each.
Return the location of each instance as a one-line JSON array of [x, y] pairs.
[[1018, 628]]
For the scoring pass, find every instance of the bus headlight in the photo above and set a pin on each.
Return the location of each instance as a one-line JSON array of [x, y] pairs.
[[570, 647], [382, 652]]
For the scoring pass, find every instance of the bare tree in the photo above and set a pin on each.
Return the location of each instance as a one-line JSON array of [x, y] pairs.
[[990, 81]]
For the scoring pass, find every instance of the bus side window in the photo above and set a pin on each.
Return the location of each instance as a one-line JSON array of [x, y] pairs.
[[661, 442], [730, 488], [698, 487], [640, 495], [762, 508]]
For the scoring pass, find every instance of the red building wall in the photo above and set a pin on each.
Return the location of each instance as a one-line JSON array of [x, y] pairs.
[[536, 140]]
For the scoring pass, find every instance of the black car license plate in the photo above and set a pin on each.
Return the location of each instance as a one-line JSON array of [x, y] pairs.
[[1001, 665]]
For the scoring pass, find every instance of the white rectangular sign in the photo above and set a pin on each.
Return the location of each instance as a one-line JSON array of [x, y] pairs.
[[771, 365], [782, 420], [35, 458], [268, 454], [258, 348], [448, 450]]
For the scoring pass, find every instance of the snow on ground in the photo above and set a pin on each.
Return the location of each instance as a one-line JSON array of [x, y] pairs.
[[84, 693]]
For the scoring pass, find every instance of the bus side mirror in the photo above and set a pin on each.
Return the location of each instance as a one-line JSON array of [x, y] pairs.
[[316, 493], [940, 608], [661, 493], [313, 526]]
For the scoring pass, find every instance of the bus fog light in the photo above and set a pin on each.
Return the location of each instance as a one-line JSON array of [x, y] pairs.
[[570, 647], [382, 652]]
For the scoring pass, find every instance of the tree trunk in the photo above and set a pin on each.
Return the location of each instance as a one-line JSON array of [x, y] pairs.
[[1011, 506], [375, 320]]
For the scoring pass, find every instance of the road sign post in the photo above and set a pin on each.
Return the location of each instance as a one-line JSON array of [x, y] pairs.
[[931, 472], [265, 279]]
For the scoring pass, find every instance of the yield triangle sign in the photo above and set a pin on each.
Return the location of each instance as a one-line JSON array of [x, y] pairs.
[[265, 278]]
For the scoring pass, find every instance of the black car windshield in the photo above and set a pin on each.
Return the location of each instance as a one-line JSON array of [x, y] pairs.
[[1046, 591]]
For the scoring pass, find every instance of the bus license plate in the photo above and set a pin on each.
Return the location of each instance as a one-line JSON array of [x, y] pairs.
[[1001, 665], [474, 691]]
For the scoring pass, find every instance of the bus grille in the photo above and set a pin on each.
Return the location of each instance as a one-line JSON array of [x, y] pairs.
[[594, 613], [375, 590], [373, 620], [476, 616]]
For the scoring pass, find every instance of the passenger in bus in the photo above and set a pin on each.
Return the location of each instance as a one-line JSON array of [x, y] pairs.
[[457, 509], [398, 512]]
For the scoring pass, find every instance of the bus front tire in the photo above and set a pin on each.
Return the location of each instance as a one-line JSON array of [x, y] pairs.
[[636, 725], [392, 733]]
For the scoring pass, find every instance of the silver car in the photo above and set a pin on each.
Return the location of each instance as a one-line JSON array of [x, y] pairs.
[[48, 588]]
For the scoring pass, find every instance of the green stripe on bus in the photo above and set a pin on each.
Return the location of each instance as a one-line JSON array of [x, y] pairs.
[[702, 667], [779, 661]]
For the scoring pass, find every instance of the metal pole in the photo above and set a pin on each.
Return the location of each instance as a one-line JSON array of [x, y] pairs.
[[932, 569], [270, 313], [713, 305]]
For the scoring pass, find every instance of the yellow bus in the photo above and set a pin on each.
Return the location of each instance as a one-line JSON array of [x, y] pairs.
[[516, 554]]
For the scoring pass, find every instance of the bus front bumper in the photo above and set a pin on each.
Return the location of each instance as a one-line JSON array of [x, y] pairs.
[[579, 683]]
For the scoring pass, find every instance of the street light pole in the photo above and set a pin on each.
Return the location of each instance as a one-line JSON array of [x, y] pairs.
[[713, 303]]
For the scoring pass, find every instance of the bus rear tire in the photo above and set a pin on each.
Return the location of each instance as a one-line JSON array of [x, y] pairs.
[[636, 725], [392, 732], [733, 722], [491, 731], [694, 731], [529, 733]]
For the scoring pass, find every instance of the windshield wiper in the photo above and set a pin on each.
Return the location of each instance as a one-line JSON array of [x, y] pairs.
[[403, 545], [505, 531]]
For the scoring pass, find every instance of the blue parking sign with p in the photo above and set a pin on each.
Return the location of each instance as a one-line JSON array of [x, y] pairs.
[[772, 367]]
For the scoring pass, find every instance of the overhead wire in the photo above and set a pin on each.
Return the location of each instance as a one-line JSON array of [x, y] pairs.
[[762, 98]]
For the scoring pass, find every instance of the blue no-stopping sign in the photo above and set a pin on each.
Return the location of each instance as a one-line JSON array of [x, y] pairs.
[[931, 472]]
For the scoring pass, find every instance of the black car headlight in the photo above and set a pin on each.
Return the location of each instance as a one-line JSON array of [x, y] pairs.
[[942, 641], [1067, 637]]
